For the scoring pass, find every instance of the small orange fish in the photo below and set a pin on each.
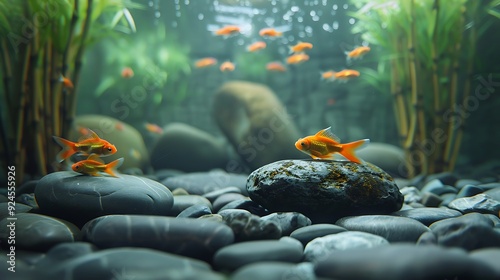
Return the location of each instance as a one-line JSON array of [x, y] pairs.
[[324, 144], [270, 32], [357, 53], [153, 128], [89, 143], [257, 46], [275, 66], [342, 76], [93, 165], [300, 47], [227, 66], [67, 83], [205, 62], [119, 126], [127, 73], [297, 58], [331, 101], [228, 30]]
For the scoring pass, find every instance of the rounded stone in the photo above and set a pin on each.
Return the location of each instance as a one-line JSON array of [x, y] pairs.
[[470, 231], [246, 204], [80, 198], [324, 190], [481, 203], [402, 261], [196, 238], [213, 195], [195, 211], [200, 183], [247, 226], [224, 199], [288, 221], [182, 202], [321, 247], [237, 255], [428, 215], [488, 256], [37, 232], [274, 270], [308, 233], [394, 229]]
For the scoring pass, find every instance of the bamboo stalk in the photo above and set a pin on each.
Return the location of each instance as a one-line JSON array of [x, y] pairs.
[[22, 104], [466, 93], [74, 20], [435, 85], [453, 96], [78, 65], [48, 111], [5, 128]]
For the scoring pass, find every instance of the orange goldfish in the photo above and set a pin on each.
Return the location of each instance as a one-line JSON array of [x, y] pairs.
[[227, 30], [343, 75], [300, 47], [256, 46], [87, 144], [357, 53], [127, 73], [119, 126], [324, 144], [93, 165], [67, 83], [205, 62], [270, 32], [153, 128], [275, 66], [227, 66], [297, 58]]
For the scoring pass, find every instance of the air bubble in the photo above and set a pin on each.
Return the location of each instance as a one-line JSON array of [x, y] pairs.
[[201, 16], [335, 25]]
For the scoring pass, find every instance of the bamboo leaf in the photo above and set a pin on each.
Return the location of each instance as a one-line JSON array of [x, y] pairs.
[[116, 18], [130, 19], [105, 84]]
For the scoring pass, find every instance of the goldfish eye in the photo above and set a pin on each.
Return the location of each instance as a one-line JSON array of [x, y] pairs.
[[109, 149], [302, 144], [77, 167]]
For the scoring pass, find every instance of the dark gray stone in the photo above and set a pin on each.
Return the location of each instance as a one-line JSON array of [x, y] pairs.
[[489, 256], [489, 186], [322, 247], [37, 232], [411, 195], [201, 183], [272, 270], [481, 203], [127, 263], [247, 226], [237, 255], [394, 229], [324, 190], [194, 238], [403, 261], [308, 233], [431, 200], [494, 193], [28, 199], [224, 199], [429, 215], [437, 187], [213, 195], [19, 208], [79, 198], [469, 190], [246, 204], [471, 231], [288, 221], [447, 178], [195, 211], [447, 198], [182, 202]]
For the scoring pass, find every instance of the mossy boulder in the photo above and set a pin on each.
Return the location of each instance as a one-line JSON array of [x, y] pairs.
[[324, 190], [127, 140], [255, 123], [187, 148]]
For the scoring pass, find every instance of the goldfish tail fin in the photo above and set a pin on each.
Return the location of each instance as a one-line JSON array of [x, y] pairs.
[[68, 148], [349, 148], [112, 166]]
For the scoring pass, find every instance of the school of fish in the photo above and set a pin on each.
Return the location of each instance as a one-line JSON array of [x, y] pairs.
[[91, 145], [297, 55]]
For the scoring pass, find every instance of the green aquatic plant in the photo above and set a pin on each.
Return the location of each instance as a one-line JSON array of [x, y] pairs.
[[161, 65], [430, 48], [42, 42]]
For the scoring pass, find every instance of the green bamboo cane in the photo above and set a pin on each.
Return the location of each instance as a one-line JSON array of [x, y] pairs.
[[19, 151], [47, 111], [435, 84], [453, 95], [78, 65], [5, 128]]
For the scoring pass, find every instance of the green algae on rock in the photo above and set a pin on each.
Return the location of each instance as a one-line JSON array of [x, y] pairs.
[[324, 190]]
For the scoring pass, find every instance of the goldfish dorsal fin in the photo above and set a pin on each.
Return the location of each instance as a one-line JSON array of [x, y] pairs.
[[96, 158], [90, 134], [327, 132]]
